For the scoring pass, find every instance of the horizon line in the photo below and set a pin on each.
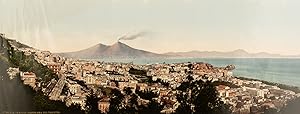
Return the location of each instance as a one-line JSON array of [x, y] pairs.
[[118, 41]]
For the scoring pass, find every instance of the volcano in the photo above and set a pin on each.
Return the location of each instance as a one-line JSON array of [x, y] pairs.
[[117, 50]]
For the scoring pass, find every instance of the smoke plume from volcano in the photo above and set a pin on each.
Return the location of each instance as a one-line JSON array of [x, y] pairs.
[[132, 36]]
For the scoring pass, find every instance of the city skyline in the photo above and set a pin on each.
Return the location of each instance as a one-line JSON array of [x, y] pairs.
[[172, 26]]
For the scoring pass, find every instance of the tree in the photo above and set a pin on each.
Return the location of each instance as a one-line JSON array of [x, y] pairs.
[[190, 78], [116, 102], [152, 108], [42, 103], [184, 107], [200, 95], [205, 98], [148, 95], [92, 104], [132, 106], [127, 90], [74, 109], [137, 72]]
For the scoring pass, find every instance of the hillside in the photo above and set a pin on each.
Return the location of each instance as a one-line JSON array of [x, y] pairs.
[[3, 49]]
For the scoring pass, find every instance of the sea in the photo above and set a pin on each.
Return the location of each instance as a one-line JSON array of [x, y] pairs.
[[278, 70]]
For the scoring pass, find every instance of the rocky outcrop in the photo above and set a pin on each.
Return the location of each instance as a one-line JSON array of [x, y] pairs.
[[230, 67]]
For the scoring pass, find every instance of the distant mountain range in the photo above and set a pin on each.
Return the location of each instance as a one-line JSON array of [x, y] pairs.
[[117, 50], [232, 54], [121, 50]]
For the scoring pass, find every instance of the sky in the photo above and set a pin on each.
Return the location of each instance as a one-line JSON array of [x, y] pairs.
[[171, 25]]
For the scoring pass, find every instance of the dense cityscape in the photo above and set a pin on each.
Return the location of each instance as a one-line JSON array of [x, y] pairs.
[[166, 87]]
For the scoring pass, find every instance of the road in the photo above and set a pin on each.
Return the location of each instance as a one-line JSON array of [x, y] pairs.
[[54, 95]]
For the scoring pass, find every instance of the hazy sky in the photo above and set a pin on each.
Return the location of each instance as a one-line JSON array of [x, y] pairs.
[[171, 25]]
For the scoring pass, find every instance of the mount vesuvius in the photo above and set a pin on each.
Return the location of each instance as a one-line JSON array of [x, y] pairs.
[[117, 50]]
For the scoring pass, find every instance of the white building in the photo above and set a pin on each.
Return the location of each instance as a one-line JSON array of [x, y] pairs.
[[28, 78], [90, 79], [74, 88], [76, 100]]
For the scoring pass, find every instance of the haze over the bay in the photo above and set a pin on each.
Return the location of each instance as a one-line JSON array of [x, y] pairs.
[[171, 25]]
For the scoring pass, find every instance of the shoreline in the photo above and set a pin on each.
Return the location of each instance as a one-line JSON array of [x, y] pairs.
[[281, 86], [293, 88]]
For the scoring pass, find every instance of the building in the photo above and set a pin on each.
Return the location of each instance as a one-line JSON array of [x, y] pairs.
[[74, 88], [28, 78], [123, 85], [89, 79], [141, 86], [103, 105], [55, 67], [222, 89], [88, 67], [76, 100]]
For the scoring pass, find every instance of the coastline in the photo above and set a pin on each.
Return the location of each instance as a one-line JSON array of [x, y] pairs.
[[281, 86], [276, 70], [176, 60]]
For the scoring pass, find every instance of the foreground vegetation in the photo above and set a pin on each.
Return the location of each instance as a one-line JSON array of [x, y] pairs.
[[29, 64]]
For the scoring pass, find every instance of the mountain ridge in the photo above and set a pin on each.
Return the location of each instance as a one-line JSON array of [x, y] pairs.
[[116, 50], [239, 53]]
